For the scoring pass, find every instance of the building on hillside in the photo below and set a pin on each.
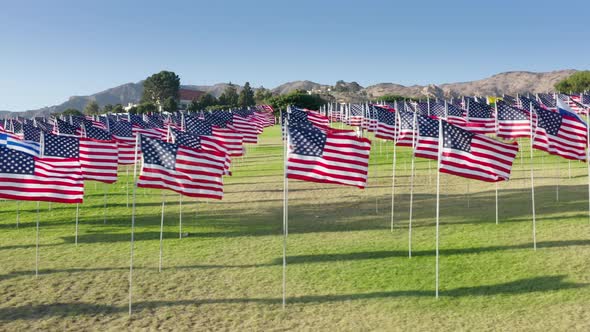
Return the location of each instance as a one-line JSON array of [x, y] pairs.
[[185, 96]]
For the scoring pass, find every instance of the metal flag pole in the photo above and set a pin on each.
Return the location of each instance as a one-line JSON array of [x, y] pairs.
[[440, 147], [533, 183], [496, 114], [588, 157], [104, 214], [393, 175], [77, 215], [162, 231], [180, 217], [127, 180], [412, 171], [496, 203], [37, 245], [133, 226], [285, 210], [17, 213]]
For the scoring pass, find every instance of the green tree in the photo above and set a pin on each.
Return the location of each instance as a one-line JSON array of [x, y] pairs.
[[229, 97], [246, 97], [92, 108], [143, 108], [207, 100], [577, 82], [170, 105], [108, 108], [394, 98], [161, 86], [118, 109], [297, 98], [262, 94], [72, 111]]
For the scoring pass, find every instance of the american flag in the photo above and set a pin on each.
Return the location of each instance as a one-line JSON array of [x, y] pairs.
[[31, 133], [386, 128], [202, 142], [448, 112], [327, 157], [356, 115], [585, 99], [475, 156], [547, 100], [560, 133], [574, 104], [26, 177], [427, 139], [122, 132], [314, 117], [480, 118], [512, 122], [65, 129], [229, 138], [246, 127], [187, 171], [406, 129]]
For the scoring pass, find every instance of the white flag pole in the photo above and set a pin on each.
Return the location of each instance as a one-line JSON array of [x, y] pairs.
[[285, 208], [127, 181], [104, 215], [412, 171], [133, 223], [180, 217], [37, 245], [533, 183], [397, 120], [77, 215], [440, 147], [162, 232], [588, 157], [17, 213], [496, 111]]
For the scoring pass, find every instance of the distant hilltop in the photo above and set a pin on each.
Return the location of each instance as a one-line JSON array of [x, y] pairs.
[[514, 82]]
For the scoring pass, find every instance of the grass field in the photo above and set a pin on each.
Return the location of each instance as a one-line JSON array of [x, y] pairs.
[[346, 269]]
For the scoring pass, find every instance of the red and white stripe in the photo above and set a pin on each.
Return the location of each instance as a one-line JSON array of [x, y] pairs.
[[99, 160], [197, 173], [54, 180], [569, 143], [232, 140], [488, 160], [345, 160]]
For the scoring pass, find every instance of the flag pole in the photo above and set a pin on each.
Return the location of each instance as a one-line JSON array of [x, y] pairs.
[[557, 182], [588, 157], [77, 215], [533, 183], [127, 179], [440, 147], [133, 223], [17, 213], [496, 203], [104, 214], [285, 208], [496, 115], [412, 171], [393, 185], [162, 232], [37, 245], [180, 217]]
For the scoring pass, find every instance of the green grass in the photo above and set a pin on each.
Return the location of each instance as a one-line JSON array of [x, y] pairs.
[[346, 269]]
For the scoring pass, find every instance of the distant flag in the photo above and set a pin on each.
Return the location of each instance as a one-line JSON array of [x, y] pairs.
[[387, 123], [327, 157], [187, 171], [480, 118], [122, 132], [427, 138], [475, 156], [202, 142], [406, 128], [561, 133], [512, 122]]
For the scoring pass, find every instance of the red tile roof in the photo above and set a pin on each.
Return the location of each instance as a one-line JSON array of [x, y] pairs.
[[185, 94]]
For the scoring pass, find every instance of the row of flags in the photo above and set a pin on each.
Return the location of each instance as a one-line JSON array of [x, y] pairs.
[[50, 159], [458, 132]]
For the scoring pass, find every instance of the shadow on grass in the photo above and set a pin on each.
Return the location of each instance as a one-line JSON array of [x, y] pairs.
[[517, 287], [422, 253]]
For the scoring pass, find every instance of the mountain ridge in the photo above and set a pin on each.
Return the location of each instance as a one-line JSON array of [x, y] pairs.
[[511, 82]]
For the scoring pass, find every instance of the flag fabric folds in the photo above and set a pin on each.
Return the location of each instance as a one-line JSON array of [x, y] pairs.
[[190, 172], [512, 122], [327, 157], [475, 156], [30, 178]]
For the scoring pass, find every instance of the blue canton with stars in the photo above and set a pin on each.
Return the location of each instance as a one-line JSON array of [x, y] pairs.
[[198, 126], [456, 138], [187, 139], [550, 121], [479, 110], [121, 128], [406, 120], [385, 116], [31, 133], [96, 133], [427, 127], [507, 112], [307, 141], [16, 162], [61, 146], [157, 152]]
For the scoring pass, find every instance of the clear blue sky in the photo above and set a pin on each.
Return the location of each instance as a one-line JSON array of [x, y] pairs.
[[51, 50]]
